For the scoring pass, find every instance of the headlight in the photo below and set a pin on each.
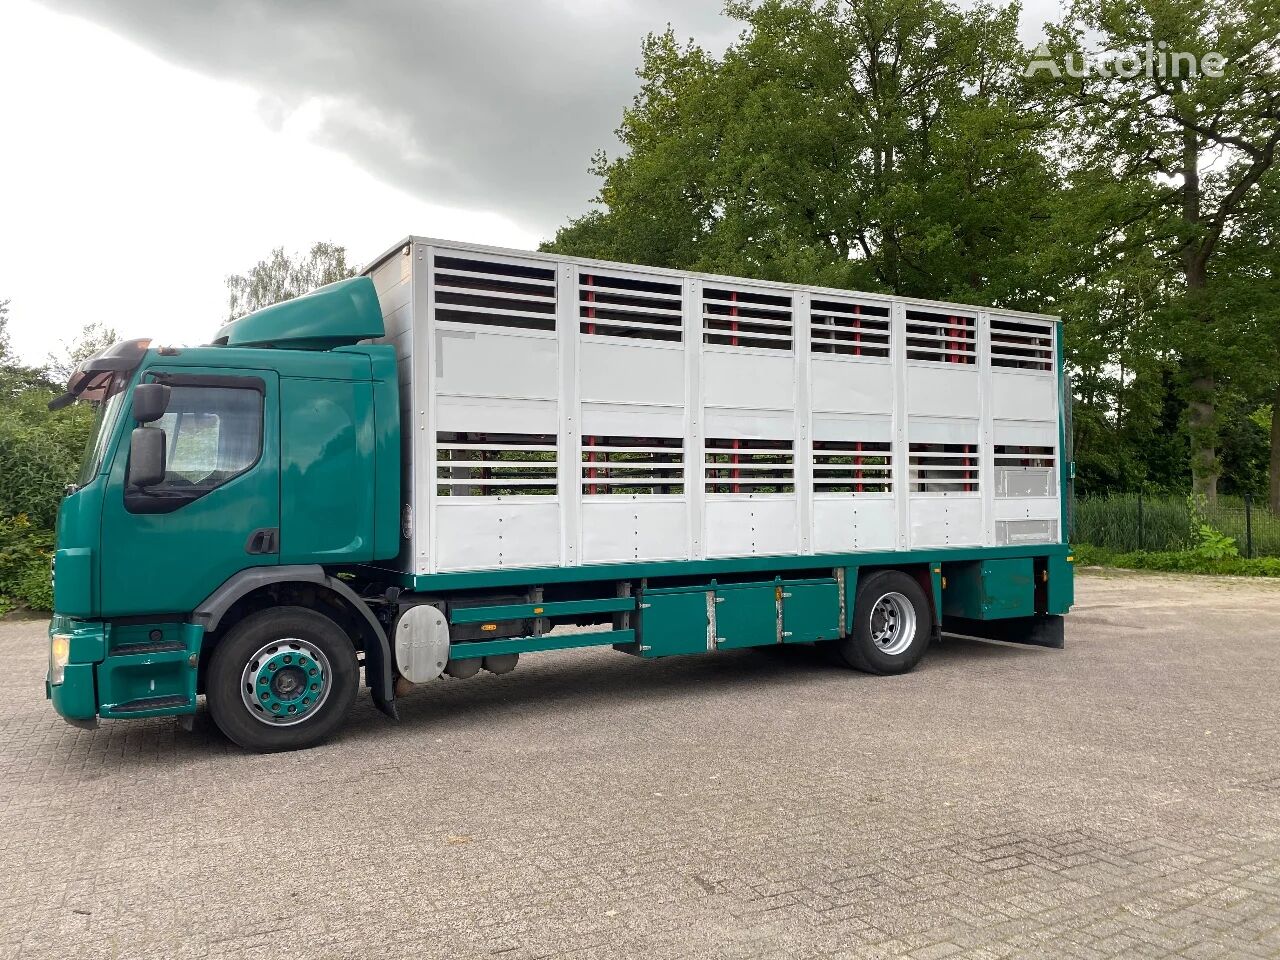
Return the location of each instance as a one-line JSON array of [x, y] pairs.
[[59, 653]]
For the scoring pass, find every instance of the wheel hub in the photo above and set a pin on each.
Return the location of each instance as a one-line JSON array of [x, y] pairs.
[[893, 623], [285, 682]]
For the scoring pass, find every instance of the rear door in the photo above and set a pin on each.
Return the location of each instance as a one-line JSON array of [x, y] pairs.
[[218, 509]]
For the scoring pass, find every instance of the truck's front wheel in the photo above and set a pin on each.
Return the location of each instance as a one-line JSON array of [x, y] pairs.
[[282, 679]]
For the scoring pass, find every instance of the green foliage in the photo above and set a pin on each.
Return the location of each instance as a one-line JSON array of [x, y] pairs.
[[1180, 562], [40, 453], [881, 145], [26, 551], [1174, 524], [1111, 522], [6, 345], [1211, 544]]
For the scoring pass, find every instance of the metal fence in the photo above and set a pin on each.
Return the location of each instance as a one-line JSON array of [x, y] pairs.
[[1135, 521]]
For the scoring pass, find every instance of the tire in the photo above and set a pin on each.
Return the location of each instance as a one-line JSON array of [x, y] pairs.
[[875, 646], [282, 679]]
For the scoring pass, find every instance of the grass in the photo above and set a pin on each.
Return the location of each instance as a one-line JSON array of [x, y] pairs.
[[1177, 562], [1167, 525]]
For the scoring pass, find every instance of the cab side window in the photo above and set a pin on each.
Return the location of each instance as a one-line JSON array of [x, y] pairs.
[[213, 433]]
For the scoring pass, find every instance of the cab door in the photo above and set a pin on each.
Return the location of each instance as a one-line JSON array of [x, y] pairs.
[[217, 511]]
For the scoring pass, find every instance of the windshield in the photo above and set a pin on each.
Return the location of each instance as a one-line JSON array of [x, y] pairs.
[[96, 448]]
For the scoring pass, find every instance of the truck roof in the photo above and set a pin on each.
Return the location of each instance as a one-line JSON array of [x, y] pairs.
[[667, 271]]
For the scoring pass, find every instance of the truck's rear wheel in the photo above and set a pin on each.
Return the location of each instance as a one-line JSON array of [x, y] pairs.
[[282, 679], [891, 624]]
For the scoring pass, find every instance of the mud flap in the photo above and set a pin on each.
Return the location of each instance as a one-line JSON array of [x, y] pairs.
[[1039, 631], [378, 678]]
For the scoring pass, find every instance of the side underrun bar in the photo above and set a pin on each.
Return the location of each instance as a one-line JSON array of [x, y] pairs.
[[566, 641], [519, 611]]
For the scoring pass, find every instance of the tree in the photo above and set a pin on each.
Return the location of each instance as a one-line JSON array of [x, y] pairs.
[[880, 144], [281, 277], [93, 338], [1247, 278], [1165, 161], [6, 344]]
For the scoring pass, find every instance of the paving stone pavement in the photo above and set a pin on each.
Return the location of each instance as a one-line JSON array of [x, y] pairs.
[[1120, 798]]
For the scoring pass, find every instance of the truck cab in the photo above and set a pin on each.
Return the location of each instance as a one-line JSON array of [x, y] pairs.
[[221, 481]]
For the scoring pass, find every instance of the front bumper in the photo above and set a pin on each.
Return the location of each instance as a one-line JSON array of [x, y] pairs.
[[75, 698], [125, 670]]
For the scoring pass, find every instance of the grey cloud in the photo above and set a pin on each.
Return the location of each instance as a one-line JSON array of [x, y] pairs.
[[479, 104]]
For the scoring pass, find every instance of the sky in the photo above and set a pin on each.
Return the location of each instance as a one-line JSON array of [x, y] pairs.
[[151, 148]]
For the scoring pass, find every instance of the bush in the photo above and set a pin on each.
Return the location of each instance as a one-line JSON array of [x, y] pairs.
[[39, 454], [26, 551]]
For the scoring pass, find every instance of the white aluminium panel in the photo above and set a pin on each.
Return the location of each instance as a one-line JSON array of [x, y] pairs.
[[1027, 508], [842, 522], [613, 371], [875, 428], [1025, 433], [855, 386], [942, 430], [946, 520], [745, 378], [481, 363], [485, 533], [748, 525], [622, 528], [494, 415], [1023, 396], [942, 390], [750, 424], [618, 419]]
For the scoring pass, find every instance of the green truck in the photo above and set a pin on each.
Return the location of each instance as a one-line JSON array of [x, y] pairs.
[[469, 453]]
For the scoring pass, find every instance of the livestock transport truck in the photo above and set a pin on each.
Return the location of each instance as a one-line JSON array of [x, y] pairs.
[[425, 471]]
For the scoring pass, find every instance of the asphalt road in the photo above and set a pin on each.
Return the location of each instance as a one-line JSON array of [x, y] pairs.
[[1117, 798]]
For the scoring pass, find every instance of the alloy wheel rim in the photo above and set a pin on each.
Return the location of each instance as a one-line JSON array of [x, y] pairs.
[[893, 623], [285, 682]]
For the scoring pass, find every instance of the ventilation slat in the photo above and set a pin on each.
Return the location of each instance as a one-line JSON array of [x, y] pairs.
[[478, 276], [747, 318], [486, 464], [852, 466], [941, 338], [632, 466], [1022, 344], [944, 467], [462, 292], [630, 308], [749, 466], [848, 328], [494, 293], [1024, 456]]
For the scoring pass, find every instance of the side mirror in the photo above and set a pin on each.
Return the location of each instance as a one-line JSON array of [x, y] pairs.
[[146, 457], [150, 400]]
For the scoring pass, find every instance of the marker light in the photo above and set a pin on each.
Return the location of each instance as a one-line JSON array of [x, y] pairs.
[[59, 653]]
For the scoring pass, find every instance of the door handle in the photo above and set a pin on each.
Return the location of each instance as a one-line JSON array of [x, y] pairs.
[[264, 540]]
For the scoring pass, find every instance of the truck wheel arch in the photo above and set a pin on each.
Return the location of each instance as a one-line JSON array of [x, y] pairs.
[[920, 572], [377, 649]]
